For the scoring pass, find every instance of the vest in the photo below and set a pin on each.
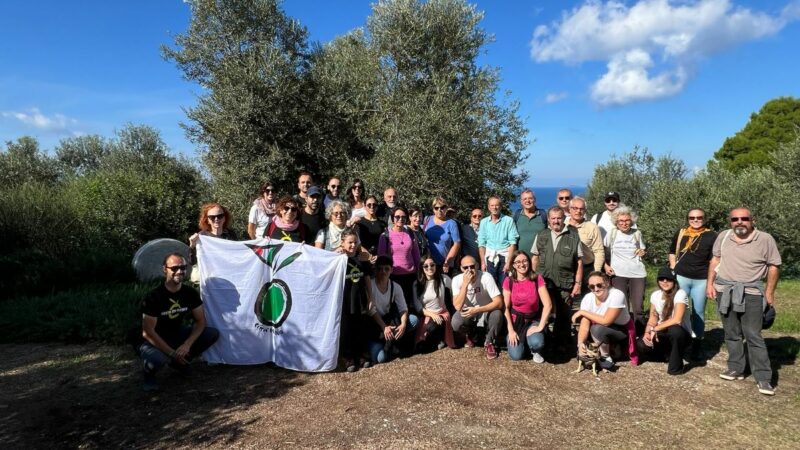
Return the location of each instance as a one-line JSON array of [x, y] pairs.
[[558, 267]]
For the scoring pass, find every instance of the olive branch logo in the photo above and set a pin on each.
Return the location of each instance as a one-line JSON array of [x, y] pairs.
[[274, 300]]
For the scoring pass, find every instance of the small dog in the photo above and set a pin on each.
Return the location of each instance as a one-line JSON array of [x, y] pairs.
[[591, 357]]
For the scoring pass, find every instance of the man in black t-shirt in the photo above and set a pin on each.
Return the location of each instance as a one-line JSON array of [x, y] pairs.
[[165, 339], [312, 214]]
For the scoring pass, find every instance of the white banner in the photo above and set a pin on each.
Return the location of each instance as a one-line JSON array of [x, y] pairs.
[[272, 301]]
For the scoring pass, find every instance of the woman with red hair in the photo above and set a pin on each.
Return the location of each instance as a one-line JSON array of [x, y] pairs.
[[215, 220]]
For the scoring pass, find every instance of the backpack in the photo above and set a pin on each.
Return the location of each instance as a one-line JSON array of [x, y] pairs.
[[597, 217]]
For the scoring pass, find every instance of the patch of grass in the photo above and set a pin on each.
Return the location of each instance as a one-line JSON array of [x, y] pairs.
[[93, 313]]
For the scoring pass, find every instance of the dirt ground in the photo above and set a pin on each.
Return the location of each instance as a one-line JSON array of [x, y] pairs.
[[58, 396]]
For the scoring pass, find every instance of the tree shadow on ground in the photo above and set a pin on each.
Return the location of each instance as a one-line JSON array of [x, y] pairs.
[[97, 401]]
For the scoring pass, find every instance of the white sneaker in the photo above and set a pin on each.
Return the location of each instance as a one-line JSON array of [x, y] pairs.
[[537, 358]]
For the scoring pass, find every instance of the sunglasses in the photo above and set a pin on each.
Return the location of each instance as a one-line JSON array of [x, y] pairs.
[[437, 208], [385, 269], [477, 216], [399, 217], [290, 208], [565, 198], [469, 267], [611, 200], [664, 279], [696, 217], [358, 187], [429, 266], [370, 205], [216, 217], [269, 190], [333, 186], [740, 219], [177, 268], [596, 286]]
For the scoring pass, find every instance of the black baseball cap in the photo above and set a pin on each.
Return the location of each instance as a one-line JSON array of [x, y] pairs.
[[612, 194]]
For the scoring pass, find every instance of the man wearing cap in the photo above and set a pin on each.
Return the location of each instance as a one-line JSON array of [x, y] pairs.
[[164, 338], [603, 220], [592, 241], [312, 214], [742, 257]]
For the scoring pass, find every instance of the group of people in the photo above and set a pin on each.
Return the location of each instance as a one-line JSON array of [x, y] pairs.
[[417, 281]]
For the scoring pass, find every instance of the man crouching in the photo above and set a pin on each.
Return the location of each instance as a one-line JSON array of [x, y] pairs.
[[165, 338]]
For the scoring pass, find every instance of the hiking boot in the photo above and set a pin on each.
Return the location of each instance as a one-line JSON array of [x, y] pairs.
[[537, 358], [697, 354], [732, 375], [766, 388], [491, 353], [606, 363]]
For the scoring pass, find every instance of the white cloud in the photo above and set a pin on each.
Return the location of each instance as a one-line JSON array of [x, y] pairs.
[[554, 97], [663, 36], [57, 123]]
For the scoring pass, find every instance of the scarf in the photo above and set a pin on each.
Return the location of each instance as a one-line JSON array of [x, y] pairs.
[[334, 235], [266, 208], [285, 226], [691, 237]]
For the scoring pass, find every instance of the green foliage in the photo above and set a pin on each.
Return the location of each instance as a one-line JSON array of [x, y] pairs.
[[633, 176], [92, 313], [84, 228], [402, 98], [22, 162], [411, 91], [777, 122]]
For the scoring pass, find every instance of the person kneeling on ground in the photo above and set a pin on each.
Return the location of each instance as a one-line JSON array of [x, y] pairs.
[[431, 291], [603, 315], [389, 311], [523, 290], [668, 329], [165, 340], [478, 303]]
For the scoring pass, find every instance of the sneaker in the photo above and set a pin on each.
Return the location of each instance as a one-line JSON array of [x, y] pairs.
[[766, 388], [350, 365], [366, 364], [491, 353], [732, 375], [468, 343], [537, 358], [441, 345], [606, 363]]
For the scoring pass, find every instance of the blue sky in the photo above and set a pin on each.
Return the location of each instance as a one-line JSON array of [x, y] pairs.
[[594, 78]]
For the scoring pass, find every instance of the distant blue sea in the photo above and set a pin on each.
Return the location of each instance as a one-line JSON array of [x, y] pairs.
[[546, 196]]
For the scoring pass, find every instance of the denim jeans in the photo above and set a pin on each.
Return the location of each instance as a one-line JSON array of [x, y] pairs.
[[535, 343], [154, 359], [747, 325], [496, 270], [697, 291], [377, 348]]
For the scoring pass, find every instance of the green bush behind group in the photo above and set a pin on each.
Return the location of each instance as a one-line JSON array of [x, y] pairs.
[[400, 102]]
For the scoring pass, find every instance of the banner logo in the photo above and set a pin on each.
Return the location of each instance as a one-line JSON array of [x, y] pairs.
[[274, 301]]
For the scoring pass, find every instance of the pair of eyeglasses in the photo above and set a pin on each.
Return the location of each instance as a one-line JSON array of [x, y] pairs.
[[664, 279], [596, 286], [290, 209], [696, 217], [177, 268], [337, 213], [477, 216], [358, 187], [611, 200], [385, 269], [575, 208], [469, 267], [521, 262], [740, 219], [269, 190], [399, 217], [369, 205], [216, 217], [333, 186], [437, 208], [429, 266], [565, 198]]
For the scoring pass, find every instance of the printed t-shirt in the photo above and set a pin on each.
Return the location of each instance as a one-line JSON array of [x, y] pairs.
[[170, 308]]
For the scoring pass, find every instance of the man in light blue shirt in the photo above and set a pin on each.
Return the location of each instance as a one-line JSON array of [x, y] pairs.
[[497, 240]]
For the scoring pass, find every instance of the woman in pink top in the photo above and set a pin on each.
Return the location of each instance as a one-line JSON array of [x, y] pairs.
[[528, 307], [399, 243]]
